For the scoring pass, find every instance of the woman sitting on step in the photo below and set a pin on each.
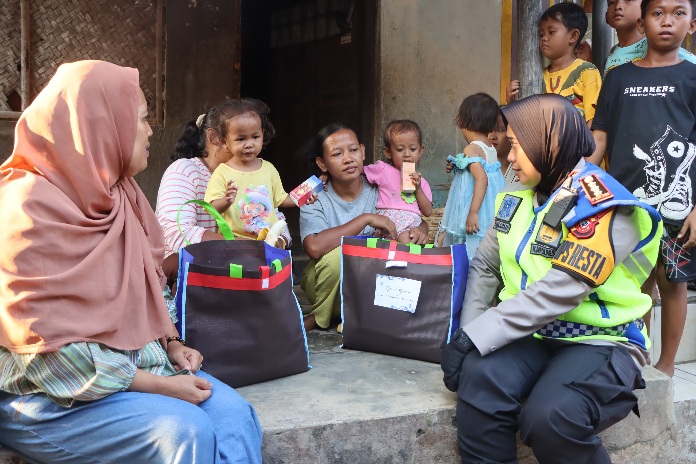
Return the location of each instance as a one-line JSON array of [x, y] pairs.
[[91, 366], [345, 208]]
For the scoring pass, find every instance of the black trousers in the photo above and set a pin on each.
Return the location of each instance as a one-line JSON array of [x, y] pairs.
[[572, 391]]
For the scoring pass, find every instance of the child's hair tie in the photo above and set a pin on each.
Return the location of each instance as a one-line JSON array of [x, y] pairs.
[[199, 120]]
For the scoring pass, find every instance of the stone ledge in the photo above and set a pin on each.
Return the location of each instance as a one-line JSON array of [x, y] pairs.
[[365, 407]]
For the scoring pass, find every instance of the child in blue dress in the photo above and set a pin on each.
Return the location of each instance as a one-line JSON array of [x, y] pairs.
[[477, 179]]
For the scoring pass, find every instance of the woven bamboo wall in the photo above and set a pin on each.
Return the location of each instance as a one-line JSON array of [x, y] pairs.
[[433, 223], [122, 32], [9, 56]]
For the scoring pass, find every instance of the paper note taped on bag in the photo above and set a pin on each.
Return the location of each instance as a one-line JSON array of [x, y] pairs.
[[397, 293]]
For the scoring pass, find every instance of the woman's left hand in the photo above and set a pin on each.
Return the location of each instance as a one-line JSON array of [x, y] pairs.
[[184, 357]]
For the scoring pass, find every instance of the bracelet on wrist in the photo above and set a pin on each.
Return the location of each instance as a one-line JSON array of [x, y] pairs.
[[176, 339]]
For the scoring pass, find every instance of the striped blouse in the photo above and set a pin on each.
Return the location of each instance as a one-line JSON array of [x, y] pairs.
[[80, 371], [185, 179]]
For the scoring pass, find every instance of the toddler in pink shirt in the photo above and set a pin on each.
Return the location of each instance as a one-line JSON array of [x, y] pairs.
[[403, 142]]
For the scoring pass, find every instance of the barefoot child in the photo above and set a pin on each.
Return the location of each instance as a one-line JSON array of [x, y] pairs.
[[246, 190], [646, 118], [477, 178], [403, 142]]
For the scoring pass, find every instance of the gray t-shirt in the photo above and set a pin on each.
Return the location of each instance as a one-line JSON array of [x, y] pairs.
[[331, 211]]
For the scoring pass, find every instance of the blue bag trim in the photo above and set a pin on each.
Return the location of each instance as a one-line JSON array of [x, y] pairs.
[[299, 309], [272, 253], [185, 258], [460, 274], [340, 287]]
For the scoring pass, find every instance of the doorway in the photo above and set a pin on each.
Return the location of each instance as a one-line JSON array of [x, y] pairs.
[[313, 63]]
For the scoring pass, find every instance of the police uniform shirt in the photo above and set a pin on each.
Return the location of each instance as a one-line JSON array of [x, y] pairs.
[[559, 292]]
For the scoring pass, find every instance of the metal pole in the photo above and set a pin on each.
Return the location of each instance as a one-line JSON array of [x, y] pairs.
[[602, 36], [529, 62]]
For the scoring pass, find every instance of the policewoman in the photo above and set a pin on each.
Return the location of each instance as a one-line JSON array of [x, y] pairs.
[[559, 356]]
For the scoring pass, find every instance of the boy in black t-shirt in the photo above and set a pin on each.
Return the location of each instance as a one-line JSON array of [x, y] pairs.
[[646, 123]]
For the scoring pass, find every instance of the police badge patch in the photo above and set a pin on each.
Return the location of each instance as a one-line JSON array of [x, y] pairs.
[[506, 212], [595, 189]]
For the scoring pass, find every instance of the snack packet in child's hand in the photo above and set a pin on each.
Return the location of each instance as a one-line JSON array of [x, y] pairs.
[[305, 190], [407, 169]]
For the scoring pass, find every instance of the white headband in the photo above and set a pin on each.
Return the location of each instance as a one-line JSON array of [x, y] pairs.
[[199, 121]]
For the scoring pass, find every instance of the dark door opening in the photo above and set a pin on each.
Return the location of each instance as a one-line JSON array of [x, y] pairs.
[[312, 62]]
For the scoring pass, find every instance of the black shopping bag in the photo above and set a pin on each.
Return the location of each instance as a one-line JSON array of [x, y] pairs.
[[401, 300], [236, 306]]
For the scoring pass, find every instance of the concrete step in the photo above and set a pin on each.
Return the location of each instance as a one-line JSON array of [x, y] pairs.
[[370, 408], [687, 347]]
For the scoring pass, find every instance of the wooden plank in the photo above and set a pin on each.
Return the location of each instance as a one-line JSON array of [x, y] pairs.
[[159, 63], [505, 48], [25, 62], [528, 55], [10, 114]]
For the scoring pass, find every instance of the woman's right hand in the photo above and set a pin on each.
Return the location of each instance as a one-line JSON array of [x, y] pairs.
[[189, 388], [383, 224]]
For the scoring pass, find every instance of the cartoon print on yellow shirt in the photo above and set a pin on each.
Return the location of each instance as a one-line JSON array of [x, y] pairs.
[[255, 207]]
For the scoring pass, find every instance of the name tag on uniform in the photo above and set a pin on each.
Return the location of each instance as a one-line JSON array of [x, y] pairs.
[[506, 212], [547, 241]]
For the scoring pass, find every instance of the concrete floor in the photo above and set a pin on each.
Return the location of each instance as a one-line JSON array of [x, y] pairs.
[[684, 382]]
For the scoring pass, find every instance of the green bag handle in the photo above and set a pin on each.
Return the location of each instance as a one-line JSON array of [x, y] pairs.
[[223, 227], [277, 265], [414, 249], [429, 245], [236, 271]]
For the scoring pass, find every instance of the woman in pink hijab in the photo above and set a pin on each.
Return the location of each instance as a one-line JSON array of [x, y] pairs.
[[91, 366]]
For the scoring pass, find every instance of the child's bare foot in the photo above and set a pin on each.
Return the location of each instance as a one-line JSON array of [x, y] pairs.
[[667, 369]]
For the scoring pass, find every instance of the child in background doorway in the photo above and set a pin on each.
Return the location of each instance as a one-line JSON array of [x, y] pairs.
[[561, 28], [403, 142], [477, 179], [501, 143], [246, 190], [646, 125], [624, 16]]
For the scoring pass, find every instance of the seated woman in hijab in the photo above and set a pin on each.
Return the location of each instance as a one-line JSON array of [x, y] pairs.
[[570, 248], [91, 366]]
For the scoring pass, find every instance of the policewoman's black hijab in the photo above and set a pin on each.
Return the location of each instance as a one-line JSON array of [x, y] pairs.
[[552, 133]]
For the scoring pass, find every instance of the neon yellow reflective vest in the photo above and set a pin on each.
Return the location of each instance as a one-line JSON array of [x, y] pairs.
[[614, 310]]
